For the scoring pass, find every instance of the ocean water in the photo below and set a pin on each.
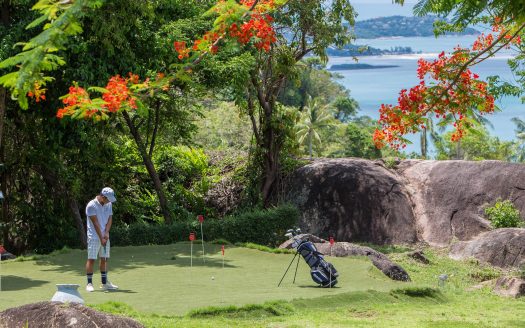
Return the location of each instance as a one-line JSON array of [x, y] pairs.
[[373, 87]]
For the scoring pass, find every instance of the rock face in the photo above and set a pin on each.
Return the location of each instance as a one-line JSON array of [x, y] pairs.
[[510, 287], [449, 197], [353, 200], [500, 247], [55, 314], [434, 202]]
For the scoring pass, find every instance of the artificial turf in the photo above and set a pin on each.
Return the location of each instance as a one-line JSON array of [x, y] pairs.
[[161, 279]]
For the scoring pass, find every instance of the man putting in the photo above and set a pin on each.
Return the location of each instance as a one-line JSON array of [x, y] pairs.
[[99, 212]]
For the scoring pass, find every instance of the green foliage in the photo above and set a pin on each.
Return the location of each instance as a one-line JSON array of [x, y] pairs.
[[359, 143], [313, 118], [503, 214], [267, 249], [222, 127], [265, 227], [475, 145], [38, 54], [485, 273]]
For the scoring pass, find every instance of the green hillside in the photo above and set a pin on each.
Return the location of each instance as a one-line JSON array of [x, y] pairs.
[[393, 26]]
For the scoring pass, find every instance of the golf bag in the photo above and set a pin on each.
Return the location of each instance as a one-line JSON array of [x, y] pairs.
[[322, 272]]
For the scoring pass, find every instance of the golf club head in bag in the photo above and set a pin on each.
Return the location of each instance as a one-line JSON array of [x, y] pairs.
[[322, 272]]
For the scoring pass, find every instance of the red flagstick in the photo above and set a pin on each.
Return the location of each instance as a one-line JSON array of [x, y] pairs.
[[222, 251], [201, 220]]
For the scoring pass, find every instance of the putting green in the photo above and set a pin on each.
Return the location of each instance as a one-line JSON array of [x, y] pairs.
[[159, 279]]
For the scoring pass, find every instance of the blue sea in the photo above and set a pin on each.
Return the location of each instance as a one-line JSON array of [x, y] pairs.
[[373, 87]]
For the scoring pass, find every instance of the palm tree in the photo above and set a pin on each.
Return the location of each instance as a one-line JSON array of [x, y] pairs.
[[313, 117], [520, 135]]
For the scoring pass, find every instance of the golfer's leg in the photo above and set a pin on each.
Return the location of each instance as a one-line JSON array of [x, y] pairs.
[[103, 270], [89, 270], [104, 255], [93, 246]]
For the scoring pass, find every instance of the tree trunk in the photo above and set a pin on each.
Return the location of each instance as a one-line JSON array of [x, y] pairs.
[[424, 143], [271, 157], [150, 167], [4, 19], [310, 144], [54, 181], [3, 176], [73, 208]]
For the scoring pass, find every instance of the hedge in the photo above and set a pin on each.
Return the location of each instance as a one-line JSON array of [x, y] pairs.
[[264, 227]]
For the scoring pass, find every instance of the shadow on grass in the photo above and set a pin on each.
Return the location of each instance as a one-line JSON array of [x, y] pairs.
[[119, 291], [12, 283], [317, 286], [130, 257]]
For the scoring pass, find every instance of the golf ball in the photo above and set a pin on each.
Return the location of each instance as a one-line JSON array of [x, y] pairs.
[[212, 278]]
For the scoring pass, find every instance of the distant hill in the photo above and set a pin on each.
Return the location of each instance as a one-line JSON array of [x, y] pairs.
[[357, 50], [400, 26]]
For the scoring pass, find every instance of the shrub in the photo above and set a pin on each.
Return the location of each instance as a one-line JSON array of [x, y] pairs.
[[264, 227], [504, 215]]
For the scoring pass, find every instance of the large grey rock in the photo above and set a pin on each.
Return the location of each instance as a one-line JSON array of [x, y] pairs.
[[501, 247], [352, 200], [449, 197], [380, 260], [56, 314]]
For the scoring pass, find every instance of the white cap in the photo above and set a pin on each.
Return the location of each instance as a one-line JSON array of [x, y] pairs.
[[109, 193]]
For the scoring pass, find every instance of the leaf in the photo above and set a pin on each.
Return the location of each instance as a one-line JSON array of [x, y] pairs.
[[97, 89], [141, 109], [36, 22]]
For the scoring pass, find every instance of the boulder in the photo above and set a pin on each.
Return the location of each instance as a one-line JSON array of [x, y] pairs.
[[352, 200], [419, 256], [510, 287], [501, 247], [57, 314], [380, 260], [449, 197]]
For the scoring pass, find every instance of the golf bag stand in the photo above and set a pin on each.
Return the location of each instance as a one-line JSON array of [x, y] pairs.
[[288, 268], [322, 272]]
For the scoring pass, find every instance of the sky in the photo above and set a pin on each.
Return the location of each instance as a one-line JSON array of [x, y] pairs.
[[367, 9]]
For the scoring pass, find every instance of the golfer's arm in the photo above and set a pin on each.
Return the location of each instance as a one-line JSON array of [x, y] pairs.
[[108, 225], [97, 226]]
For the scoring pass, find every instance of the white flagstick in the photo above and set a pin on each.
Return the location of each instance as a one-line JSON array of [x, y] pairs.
[[222, 275], [192, 237]]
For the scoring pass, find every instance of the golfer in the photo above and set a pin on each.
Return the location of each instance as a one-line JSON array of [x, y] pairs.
[[99, 214]]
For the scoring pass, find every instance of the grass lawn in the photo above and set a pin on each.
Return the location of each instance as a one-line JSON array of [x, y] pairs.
[[160, 289]]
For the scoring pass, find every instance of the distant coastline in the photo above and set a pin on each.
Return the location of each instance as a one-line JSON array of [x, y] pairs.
[[402, 26], [391, 28], [345, 67]]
